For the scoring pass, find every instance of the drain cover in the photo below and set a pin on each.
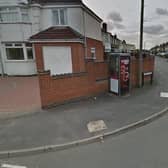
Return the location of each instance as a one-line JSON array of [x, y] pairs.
[[95, 126]]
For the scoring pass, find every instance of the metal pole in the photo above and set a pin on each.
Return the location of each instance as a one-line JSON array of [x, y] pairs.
[[141, 44]]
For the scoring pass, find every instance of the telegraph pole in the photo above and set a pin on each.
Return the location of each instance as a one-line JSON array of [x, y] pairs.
[[141, 44]]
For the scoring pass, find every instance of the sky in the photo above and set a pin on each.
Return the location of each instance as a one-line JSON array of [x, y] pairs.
[[123, 18]]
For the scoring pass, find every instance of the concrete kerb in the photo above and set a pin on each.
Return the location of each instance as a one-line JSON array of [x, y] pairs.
[[52, 148]]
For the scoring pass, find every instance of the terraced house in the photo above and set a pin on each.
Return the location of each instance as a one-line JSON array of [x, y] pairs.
[[60, 40]]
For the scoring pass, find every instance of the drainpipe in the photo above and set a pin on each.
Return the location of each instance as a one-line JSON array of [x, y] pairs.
[[1, 62], [85, 38]]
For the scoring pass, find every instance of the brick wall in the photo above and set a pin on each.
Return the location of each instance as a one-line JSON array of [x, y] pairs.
[[98, 45], [89, 76], [148, 66], [63, 88]]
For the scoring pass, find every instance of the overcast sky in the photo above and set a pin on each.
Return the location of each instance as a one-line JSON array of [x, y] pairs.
[[123, 18]]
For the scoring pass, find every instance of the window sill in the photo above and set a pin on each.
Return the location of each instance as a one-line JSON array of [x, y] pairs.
[[19, 61], [90, 58], [60, 25]]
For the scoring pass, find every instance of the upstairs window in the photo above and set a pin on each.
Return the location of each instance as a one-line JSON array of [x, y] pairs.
[[9, 14], [13, 14], [25, 15], [59, 17]]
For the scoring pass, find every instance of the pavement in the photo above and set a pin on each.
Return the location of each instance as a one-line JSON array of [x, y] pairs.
[[145, 147], [68, 122]]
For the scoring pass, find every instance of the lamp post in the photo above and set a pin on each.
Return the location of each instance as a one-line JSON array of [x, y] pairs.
[[141, 44]]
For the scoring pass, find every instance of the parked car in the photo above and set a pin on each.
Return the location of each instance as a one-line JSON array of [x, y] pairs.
[[163, 54]]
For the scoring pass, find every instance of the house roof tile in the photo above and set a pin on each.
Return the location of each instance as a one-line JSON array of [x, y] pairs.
[[55, 33]]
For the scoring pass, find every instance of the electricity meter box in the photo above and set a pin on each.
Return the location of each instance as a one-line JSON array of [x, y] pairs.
[[119, 67]]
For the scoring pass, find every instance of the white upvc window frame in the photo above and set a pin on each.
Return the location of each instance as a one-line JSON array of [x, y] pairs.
[[93, 52], [59, 16], [8, 11], [26, 55], [24, 47], [25, 13], [19, 13]]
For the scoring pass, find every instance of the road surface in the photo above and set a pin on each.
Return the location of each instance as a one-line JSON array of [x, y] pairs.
[[145, 147]]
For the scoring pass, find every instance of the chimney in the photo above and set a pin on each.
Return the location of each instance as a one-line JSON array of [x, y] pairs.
[[104, 25]]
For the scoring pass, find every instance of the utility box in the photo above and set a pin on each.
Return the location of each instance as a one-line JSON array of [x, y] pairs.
[[119, 67]]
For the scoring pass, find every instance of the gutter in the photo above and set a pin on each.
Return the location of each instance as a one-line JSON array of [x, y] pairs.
[[85, 38], [56, 41]]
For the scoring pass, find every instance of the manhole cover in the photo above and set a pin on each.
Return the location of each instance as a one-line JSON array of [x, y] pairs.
[[95, 126]]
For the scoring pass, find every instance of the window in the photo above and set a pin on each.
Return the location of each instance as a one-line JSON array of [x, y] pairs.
[[9, 14], [59, 17], [19, 51], [15, 53], [29, 51], [25, 15], [18, 45], [93, 53], [13, 14]]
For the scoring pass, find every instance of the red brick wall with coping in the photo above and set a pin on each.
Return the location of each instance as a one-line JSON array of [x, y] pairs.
[[148, 66], [57, 89], [89, 76]]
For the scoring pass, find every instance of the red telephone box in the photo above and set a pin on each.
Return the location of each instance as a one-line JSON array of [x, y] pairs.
[[119, 66]]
